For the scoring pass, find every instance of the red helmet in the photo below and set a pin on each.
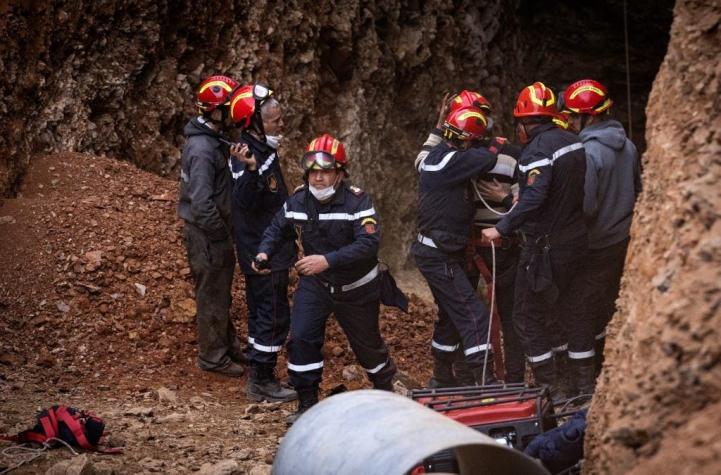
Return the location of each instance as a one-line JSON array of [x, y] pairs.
[[467, 98], [536, 100], [214, 92], [324, 152], [244, 101], [465, 124], [587, 97]]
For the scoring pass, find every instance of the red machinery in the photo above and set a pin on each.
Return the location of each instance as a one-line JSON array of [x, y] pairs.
[[512, 414]]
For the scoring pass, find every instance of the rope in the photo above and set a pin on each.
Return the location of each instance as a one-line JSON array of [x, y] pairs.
[[628, 70], [33, 453], [490, 313], [488, 207]]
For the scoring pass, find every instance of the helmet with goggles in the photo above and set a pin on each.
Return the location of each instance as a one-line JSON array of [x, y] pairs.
[[467, 124], [324, 153], [245, 103]]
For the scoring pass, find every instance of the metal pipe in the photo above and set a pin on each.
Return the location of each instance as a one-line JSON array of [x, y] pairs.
[[377, 432]]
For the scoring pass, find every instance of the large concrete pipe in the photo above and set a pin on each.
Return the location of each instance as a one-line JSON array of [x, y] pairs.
[[376, 432]]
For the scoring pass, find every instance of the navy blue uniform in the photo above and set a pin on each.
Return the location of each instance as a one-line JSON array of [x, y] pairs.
[[346, 230], [205, 197], [549, 215], [445, 216], [257, 197]]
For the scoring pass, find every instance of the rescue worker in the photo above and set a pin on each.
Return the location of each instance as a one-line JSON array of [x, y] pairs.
[[445, 214], [204, 204], [613, 181], [339, 231], [549, 215], [258, 194], [495, 189]]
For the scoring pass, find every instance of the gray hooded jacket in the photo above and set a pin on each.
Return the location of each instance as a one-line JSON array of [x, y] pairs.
[[613, 181], [205, 181]]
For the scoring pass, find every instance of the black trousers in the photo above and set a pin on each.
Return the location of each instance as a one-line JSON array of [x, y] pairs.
[[268, 315], [602, 279], [506, 268], [212, 264], [540, 317], [357, 314], [462, 317]]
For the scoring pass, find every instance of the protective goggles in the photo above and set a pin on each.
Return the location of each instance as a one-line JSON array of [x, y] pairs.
[[318, 161], [261, 92]]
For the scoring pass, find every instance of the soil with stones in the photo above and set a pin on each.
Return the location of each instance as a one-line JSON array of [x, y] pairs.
[[97, 312]]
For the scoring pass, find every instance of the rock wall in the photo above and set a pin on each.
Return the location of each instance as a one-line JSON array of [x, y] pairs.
[[117, 78], [658, 405]]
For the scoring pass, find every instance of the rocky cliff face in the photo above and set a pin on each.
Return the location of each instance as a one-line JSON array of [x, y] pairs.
[[118, 78], [658, 403]]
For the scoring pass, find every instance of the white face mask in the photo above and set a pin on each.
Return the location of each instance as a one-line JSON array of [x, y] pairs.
[[273, 140], [322, 194]]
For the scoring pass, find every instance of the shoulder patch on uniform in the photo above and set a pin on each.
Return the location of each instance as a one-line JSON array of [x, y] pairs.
[[298, 188], [355, 190], [532, 176]]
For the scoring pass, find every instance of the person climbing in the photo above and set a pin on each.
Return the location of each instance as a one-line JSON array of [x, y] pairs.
[[549, 215], [205, 206], [339, 231], [496, 190], [613, 181], [259, 192], [445, 216]]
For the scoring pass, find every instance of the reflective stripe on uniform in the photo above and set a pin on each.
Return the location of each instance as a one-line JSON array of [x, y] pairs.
[[266, 349], [426, 241], [600, 336], [579, 355], [475, 349], [558, 349], [251, 340], [300, 368], [294, 214], [363, 280], [539, 358], [440, 347], [346, 216], [549, 161], [266, 164], [184, 176], [377, 368], [439, 166]]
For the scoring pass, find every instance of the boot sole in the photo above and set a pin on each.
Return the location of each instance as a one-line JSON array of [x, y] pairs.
[[263, 398]]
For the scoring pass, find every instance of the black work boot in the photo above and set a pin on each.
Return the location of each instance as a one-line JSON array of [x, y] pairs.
[[563, 372], [463, 373], [598, 347], [263, 386], [442, 374], [490, 376], [583, 376], [545, 375], [307, 398], [383, 380]]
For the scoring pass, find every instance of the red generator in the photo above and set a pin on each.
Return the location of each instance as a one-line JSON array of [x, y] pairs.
[[512, 414]]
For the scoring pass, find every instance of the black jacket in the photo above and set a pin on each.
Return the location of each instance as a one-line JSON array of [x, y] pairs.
[[552, 172], [257, 197], [205, 181], [445, 200], [346, 230]]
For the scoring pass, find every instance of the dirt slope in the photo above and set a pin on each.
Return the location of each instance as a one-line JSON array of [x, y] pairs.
[[658, 405], [80, 245]]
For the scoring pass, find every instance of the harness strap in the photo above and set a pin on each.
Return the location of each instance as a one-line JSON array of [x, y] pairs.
[[74, 425]]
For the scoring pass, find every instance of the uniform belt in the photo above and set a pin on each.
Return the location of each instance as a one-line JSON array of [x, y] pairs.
[[426, 241], [334, 289]]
